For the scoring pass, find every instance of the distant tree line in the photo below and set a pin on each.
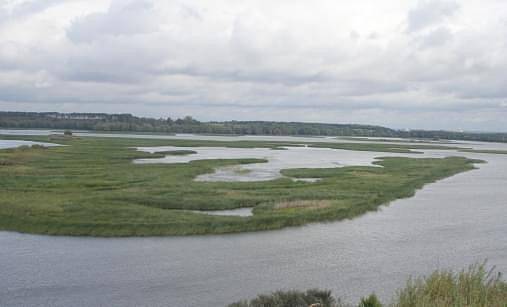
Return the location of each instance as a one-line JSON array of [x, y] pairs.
[[128, 122]]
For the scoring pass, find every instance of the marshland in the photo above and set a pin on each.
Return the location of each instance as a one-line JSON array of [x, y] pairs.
[[458, 195], [91, 186]]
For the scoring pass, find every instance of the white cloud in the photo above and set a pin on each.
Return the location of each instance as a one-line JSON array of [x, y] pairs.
[[124, 18], [430, 12], [257, 59], [436, 38]]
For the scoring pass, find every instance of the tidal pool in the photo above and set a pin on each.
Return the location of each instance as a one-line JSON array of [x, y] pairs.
[[4, 144], [291, 157], [244, 212]]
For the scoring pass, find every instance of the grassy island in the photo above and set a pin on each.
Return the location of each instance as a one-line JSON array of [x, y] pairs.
[[90, 187]]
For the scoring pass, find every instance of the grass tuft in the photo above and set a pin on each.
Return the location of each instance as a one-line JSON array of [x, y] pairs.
[[474, 287]]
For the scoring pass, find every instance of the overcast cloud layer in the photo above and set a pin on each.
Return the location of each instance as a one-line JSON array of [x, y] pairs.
[[405, 64]]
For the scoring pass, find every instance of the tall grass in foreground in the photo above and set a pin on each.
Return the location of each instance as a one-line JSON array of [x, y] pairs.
[[473, 287]]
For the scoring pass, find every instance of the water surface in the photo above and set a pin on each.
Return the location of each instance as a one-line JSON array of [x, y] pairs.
[[229, 138], [277, 160], [449, 224], [4, 144], [244, 212]]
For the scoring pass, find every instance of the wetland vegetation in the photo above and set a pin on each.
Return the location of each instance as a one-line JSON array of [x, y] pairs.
[[90, 187]]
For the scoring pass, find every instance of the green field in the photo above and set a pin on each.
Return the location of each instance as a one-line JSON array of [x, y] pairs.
[[92, 188]]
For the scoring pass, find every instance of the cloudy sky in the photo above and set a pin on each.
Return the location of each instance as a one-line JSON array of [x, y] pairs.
[[432, 64]]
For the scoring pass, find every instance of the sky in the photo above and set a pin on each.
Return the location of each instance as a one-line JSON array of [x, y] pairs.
[[420, 64]]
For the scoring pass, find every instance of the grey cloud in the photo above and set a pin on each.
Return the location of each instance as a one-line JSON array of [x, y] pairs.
[[236, 74], [25, 9], [126, 17], [354, 35], [99, 76], [200, 59], [492, 88], [190, 12], [429, 12], [373, 35], [436, 38]]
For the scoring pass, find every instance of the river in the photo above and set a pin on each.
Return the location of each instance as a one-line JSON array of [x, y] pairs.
[[448, 224]]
